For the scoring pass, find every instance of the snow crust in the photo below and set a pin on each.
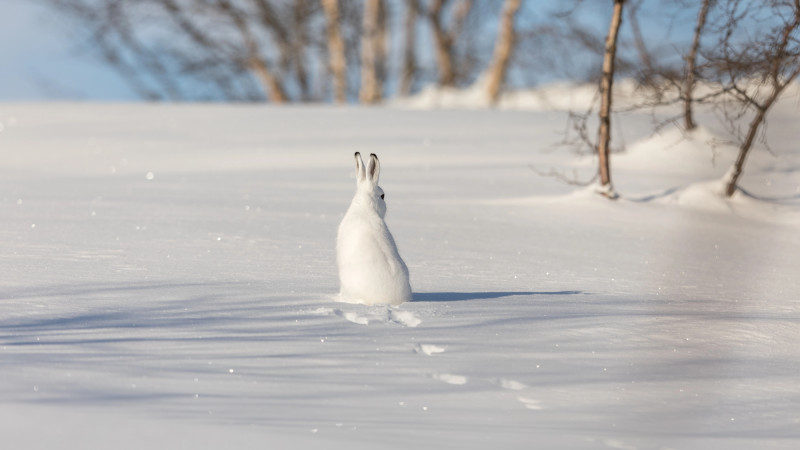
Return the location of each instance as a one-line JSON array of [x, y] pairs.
[[169, 279]]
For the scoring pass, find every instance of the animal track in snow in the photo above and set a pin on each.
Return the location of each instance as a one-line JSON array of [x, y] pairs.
[[530, 403], [355, 318], [350, 316], [323, 311], [450, 378], [406, 318], [509, 384], [428, 349]]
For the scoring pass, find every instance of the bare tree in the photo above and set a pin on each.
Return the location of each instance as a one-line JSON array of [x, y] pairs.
[[252, 57], [382, 48], [301, 50], [502, 50], [241, 50], [409, 65], [606, 83], [336, 49], [444, 38], [648, 69], [373, 51], [112, 30], [215, 58], [691, 64], [303, 12], [756, 71], [290, 34]]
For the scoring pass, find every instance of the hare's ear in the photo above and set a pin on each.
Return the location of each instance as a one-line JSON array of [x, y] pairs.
[[361, 173], [374, 168]]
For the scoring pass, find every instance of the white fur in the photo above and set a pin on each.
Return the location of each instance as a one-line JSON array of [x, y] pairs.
[[371, 270]]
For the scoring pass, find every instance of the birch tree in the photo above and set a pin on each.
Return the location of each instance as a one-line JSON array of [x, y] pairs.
[[606, 84], [409, 64], [252, 53], [444, 37], [502, 50], [336, 50], [373, 51], [756, 72], [691, 66]]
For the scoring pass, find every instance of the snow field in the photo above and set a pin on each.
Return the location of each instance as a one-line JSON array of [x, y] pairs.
[[169, 276]]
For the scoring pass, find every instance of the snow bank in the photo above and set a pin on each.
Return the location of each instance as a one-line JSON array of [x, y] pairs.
[[673, 151], [168, 279], [557, 96]]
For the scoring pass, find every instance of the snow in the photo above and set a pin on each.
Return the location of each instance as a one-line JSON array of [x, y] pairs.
[[169, 281], [557, 96]]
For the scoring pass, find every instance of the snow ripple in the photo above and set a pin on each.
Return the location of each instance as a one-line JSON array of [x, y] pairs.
[[450, 378]]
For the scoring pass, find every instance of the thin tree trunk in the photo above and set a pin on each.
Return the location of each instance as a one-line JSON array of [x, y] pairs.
[[779, 82], [646, 60], [268, 80], [691, 61], [444, 39], [442, 45], [409, 58], [370, 42], [459, 18], [604, 131], [382, 48], [253, 61], [145, 57], [502, 50], [300, 14], [220, 56], [732, 177], [336, 49]]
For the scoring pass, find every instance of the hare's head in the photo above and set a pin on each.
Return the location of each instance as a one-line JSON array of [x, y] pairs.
[[367, 190]]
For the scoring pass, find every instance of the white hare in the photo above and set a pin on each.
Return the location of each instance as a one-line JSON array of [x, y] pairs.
[[371, 270]]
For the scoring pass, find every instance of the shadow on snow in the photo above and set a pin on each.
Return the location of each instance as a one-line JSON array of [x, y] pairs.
[[464, 296]]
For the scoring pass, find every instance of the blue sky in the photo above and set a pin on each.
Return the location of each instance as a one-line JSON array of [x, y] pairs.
[[39, 62]]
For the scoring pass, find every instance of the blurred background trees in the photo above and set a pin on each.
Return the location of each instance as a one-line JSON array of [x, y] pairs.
[[332, 50], [742, 52], [348, 51]]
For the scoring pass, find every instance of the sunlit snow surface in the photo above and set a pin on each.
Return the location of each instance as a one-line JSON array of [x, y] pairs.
[[168, 281]]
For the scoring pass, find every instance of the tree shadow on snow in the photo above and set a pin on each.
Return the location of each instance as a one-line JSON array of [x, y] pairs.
[[464, 296], [652, 197], [782, 199], [667, 192]]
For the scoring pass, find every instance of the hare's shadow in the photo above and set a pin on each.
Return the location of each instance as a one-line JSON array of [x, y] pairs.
[[464, 296]]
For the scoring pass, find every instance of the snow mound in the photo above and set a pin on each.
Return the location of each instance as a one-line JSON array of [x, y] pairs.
[[677, 152], [435, 97], [560, 96], [708, 196]]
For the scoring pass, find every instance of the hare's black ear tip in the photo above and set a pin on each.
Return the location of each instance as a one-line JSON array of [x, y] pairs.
[[357, 154], [373, 155]]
